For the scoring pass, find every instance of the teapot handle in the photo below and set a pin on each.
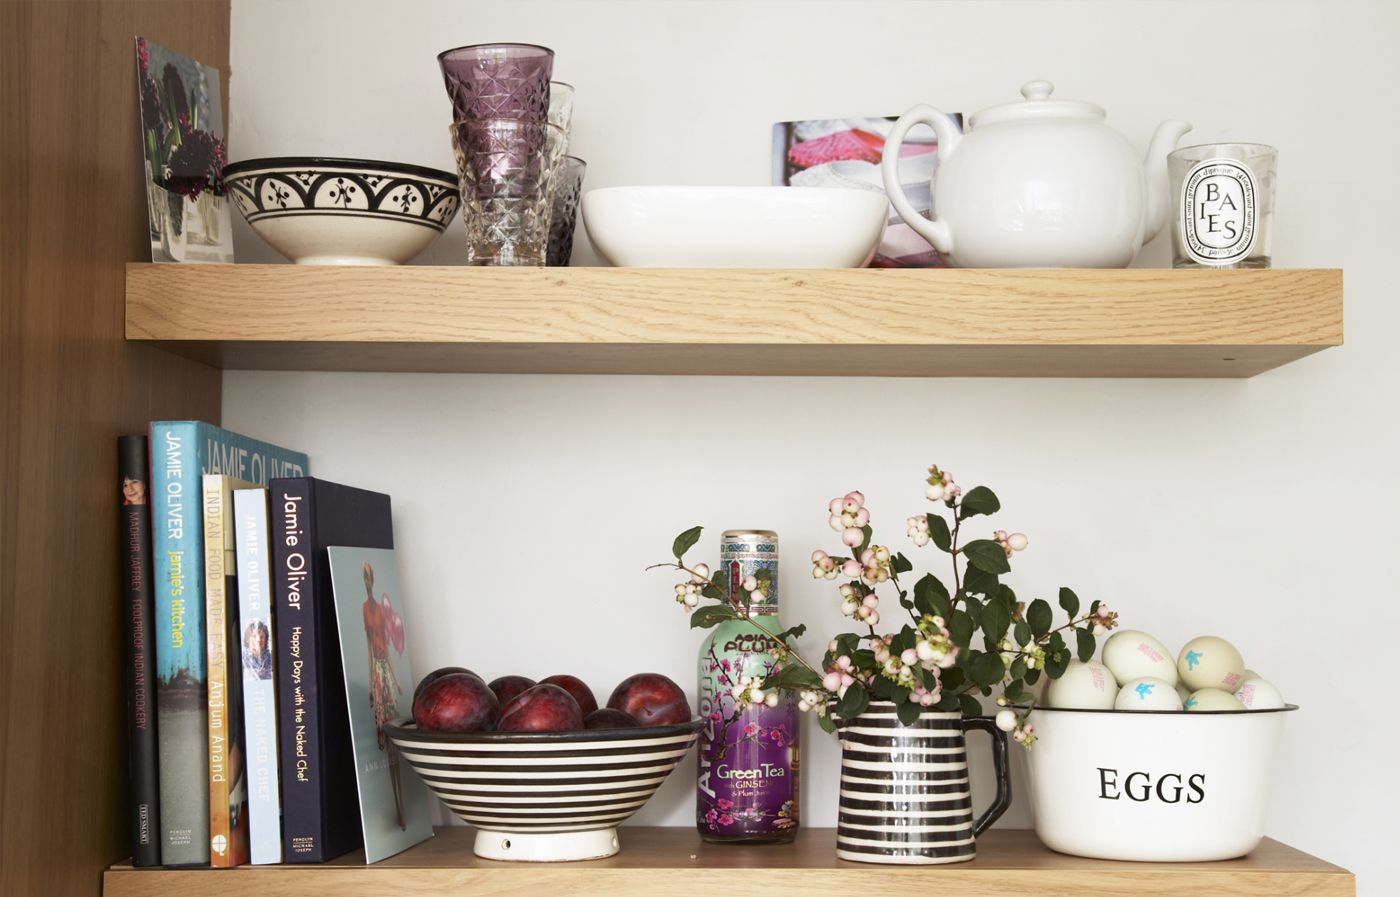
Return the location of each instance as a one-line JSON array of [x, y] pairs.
[[933, 230]]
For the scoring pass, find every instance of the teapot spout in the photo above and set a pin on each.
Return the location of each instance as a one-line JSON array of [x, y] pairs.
[[1164, 140]]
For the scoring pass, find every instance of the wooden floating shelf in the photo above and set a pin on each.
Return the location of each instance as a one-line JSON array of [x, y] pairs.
[[674, 862], [1136, 322]]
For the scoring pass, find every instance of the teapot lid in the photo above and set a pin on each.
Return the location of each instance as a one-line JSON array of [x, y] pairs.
[[1037, 105]]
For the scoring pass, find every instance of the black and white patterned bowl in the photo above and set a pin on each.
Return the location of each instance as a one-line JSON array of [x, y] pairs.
[[322, 211], [545, 796]]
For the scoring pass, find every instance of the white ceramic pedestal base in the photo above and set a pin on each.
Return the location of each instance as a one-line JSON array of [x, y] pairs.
[[556, 847]]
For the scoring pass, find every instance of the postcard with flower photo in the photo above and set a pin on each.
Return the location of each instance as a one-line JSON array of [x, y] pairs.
[[182, 144], [845, 152]]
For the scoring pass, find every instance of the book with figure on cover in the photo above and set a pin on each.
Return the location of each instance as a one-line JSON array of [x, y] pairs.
[[256, 629], [138, 603], [181, 453], [228, 778], [369, 609], [320, 807]]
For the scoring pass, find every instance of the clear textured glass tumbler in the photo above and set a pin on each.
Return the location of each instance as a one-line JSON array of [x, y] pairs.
[[506, 167], [1224, 202]]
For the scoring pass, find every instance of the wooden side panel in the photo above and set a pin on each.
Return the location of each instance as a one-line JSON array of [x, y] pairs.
[[72, 213]]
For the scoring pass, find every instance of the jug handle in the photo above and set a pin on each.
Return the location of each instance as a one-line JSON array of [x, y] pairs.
[[1003, 771], [932, 230]]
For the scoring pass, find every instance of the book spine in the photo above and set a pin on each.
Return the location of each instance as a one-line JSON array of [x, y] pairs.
[[303, 825], [221, 848], [138, 604], [259, 687], [181, 694]]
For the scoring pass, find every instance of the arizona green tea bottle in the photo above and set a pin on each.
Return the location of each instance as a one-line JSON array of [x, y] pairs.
[[747, 787]]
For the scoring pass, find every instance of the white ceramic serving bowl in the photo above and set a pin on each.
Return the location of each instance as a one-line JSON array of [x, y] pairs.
[[1164, 786], [321, 211], [545, 796], [735, 227]]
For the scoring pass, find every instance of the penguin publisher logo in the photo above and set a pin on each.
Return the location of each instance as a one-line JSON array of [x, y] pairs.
[[1218, 212]]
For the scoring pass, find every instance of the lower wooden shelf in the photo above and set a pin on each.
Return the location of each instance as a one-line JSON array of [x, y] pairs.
[[674, 862]]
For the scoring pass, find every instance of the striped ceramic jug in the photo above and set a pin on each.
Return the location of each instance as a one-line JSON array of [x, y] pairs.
[[905, 792]]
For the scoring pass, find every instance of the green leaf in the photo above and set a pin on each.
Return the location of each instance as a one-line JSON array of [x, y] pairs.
[[1057, 657], [827, 723], [854, 702], [711, 615], [979, 582], [939, 532], [969, 705], [1016, 694], [865, 542], [986, 669], [908, 712], [996, 619], [1040, 616], [1022, 632], [1070, 602], [987, 556], [792, 632], [960, 629], [1086, 645], [1018, 668], [1032, 677], [978, 500], [797, 676], [953, 678], [931, 596], [901, 564], [685, 541], [709, 591]]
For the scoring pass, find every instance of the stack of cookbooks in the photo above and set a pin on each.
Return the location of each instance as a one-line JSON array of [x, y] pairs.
[[250, 740]]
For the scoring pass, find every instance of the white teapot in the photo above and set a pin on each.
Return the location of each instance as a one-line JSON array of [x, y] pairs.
[[1038, 183]]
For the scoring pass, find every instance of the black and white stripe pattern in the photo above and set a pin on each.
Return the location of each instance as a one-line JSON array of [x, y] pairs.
[[545, 782], [905, 793]]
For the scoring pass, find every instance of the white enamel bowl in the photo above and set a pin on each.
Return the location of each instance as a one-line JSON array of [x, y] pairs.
[[735, 227], [319, 211], [1163, 786], [545, 796]]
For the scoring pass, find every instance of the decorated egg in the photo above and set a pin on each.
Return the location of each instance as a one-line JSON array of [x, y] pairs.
[[1147, 693], [1208, 699], [1210, 662], [1257, 694], [1130, 654], [1084, 686]]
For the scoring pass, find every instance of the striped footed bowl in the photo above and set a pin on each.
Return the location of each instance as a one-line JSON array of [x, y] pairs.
[[545, 796], [906, 796]]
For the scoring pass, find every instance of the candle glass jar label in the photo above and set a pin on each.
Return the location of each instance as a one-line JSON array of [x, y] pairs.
[[1224, 195]]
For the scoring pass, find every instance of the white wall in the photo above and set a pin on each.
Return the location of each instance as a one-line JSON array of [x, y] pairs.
[[527, 506]]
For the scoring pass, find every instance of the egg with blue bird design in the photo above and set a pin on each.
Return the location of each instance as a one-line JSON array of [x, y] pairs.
[[1147, 693], [1210, 662]]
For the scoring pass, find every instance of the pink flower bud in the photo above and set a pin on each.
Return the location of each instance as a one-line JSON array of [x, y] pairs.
[[853, 501], [871, 601], [852, 537], [909, 657], [874, 618], [831, 681], [835, 506], [818, 556], [851, 568], [862, 517], [843, 662], [834, 521], [1017, 541]]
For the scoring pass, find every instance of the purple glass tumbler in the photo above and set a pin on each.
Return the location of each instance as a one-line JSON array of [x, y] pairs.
[[498, 81]]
